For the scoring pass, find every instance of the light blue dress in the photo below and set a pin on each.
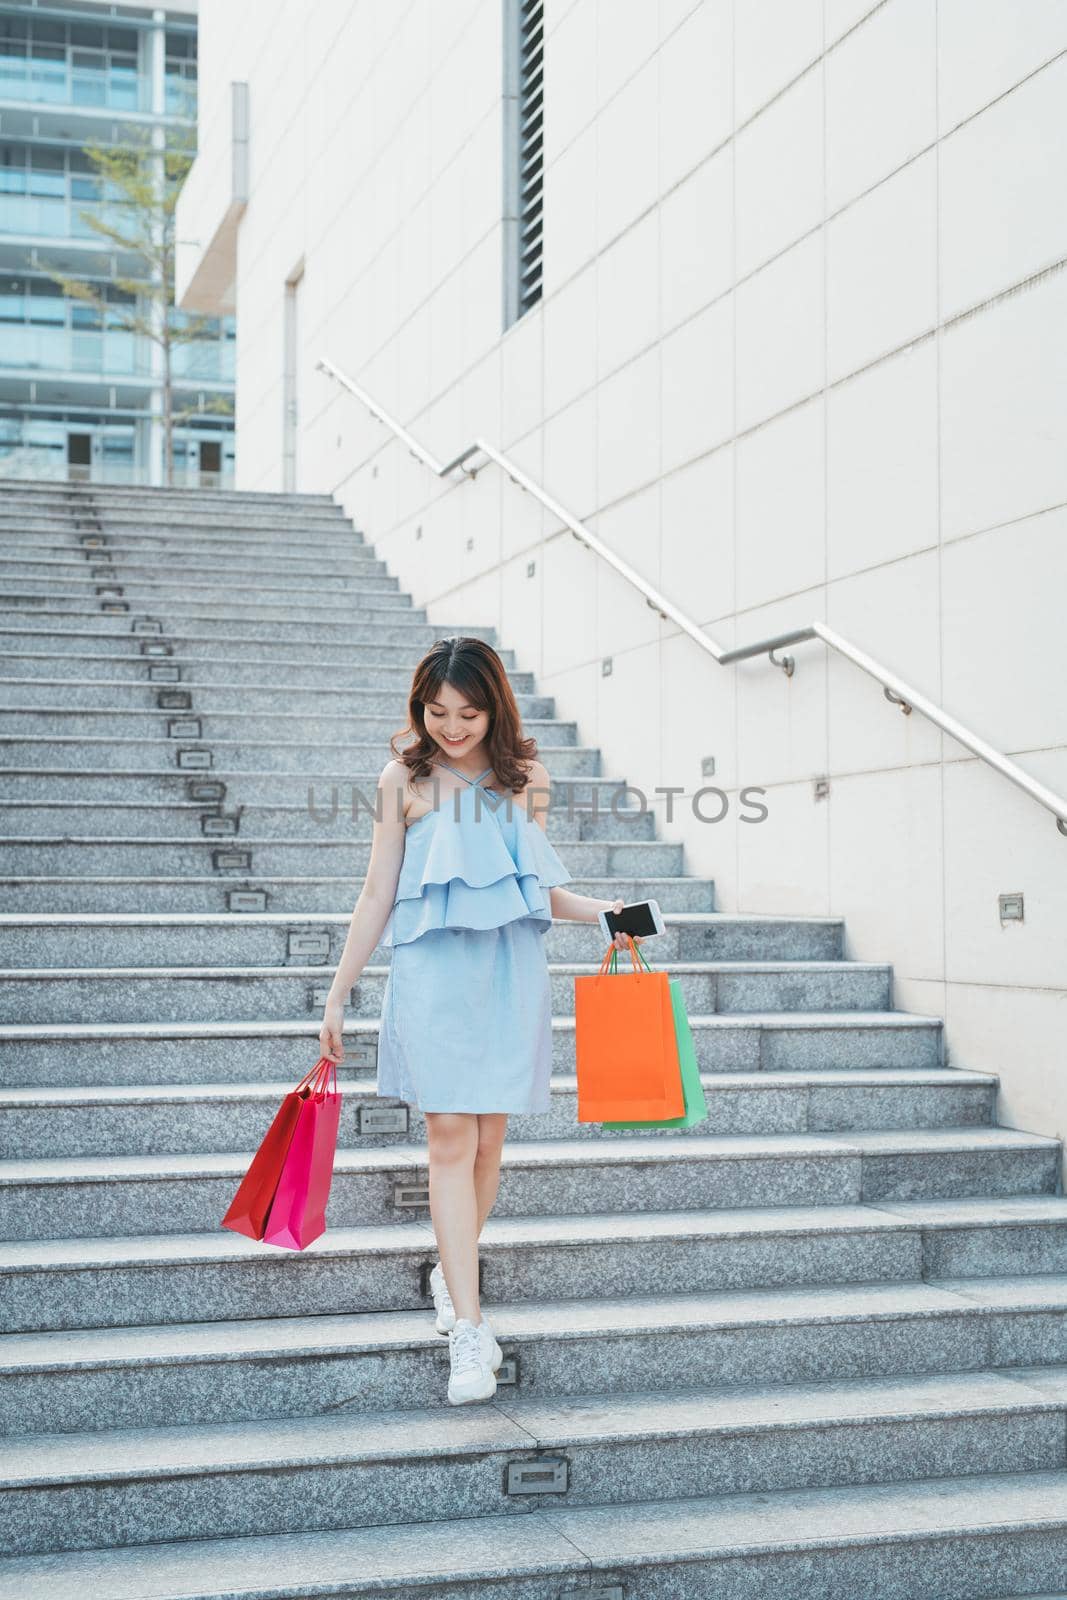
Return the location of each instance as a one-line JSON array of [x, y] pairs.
[[466, 1020]]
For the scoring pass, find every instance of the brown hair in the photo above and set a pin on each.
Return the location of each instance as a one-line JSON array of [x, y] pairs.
[[474, 669]]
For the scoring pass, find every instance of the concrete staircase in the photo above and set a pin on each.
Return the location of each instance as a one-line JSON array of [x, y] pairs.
[[814, 1347]]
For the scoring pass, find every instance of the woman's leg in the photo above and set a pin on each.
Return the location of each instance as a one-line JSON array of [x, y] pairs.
[[492, 1126], [452, 1137]]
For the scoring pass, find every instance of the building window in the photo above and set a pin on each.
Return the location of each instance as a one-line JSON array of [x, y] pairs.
[[70, 63], [523, 155]]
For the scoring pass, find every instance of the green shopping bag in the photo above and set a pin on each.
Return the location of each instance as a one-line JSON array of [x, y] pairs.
[[696, 1108]]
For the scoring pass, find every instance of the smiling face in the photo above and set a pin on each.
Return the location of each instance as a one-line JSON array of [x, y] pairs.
[[456, 726]]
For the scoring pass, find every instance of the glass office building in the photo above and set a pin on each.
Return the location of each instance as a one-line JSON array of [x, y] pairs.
[[80, 395]]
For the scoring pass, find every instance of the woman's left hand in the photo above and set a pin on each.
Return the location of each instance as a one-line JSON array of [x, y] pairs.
[[621, 941]]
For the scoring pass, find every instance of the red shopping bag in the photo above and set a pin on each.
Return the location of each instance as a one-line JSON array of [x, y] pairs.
[[298, 1210], [251, 1205], [626, 1049]]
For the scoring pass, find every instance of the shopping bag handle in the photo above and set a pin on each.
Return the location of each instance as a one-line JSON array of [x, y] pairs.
[[609, 965], [318, 1077]]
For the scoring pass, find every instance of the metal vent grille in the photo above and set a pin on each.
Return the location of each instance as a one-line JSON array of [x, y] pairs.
[[531, 150], [523, 155]]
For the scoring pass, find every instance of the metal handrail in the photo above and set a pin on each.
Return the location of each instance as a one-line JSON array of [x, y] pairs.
[[894, 688]]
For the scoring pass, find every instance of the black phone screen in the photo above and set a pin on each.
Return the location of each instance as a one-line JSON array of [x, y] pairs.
[[635, 919]]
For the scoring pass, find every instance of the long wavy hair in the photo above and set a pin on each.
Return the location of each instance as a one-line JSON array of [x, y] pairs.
[[475, 671]]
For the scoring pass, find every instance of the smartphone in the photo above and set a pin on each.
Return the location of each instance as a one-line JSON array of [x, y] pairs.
[[642, 918]]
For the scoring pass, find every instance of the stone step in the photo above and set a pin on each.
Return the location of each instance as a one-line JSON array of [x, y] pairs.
[[108, 1196], [103, 669], [403, 630], [206, 993], [88, 1282], [243, 531], [66, 567], [186, 819], [319, 818], [934, 1535], [171, 502], [32, 523], [329, 795], [166, 940], [232, 890], [92, 1379], [343, 1470], [188, 590], [361, 726], [193, 1119], [24, 530], [128, 564], [319, 760], [328, 856], [138, 693], [145, 643], [136, 494], [200, 521], [238, 1052], [374, 600]]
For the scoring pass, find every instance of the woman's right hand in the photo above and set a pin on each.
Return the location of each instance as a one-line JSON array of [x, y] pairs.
[[330, 1041]]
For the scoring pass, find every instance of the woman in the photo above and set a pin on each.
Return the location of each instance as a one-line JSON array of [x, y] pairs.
[[462, 891]]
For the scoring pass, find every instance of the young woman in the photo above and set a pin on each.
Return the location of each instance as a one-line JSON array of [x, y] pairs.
[[462, 885]]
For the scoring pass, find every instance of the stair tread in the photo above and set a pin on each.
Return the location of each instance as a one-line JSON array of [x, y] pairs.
[[657, 1149], [259, 879], [793, 1020], [186, 919], [271, 1091], [571, 1542], [417, 1238], [527, 1424], [379, 969], [292, 1337]]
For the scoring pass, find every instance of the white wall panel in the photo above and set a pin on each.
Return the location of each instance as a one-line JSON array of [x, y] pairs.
[[799, 355]]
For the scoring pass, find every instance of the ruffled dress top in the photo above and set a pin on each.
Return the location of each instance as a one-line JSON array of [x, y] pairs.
[[466, 1021]]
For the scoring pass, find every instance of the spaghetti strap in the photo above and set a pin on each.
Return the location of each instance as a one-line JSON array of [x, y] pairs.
[[476, 780]]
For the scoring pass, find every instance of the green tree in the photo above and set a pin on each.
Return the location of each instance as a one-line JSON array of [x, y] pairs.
[[139, 183]]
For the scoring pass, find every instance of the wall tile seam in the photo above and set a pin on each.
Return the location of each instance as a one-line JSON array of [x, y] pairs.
[[1004, 94], [738, 281], [283, 132], [825, 283], [346, 196], [1018, 987], [733, 740], [1031, 281], [827, 389], [875, 360], [441, 397], [739, 127], [1001, 527], [420, 308], [943, 832], [828, 217], [1022, 286], [374, 66]]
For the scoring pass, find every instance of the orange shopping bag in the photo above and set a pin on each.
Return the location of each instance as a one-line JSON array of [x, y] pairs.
[[626, 1049]]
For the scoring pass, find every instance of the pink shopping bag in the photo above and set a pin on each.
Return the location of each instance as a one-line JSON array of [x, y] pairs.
[[298, 1211], [251, 1204]]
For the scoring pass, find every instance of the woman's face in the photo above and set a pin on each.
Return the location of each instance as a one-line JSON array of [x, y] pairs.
[[454, 724]]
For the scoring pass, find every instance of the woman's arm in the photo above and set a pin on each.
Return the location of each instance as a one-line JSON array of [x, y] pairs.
[[372, 907], [565, 903]]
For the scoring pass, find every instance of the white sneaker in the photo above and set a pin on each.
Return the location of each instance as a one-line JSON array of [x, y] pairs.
[[494, 1354], [446, 1311], [471, 1377]]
